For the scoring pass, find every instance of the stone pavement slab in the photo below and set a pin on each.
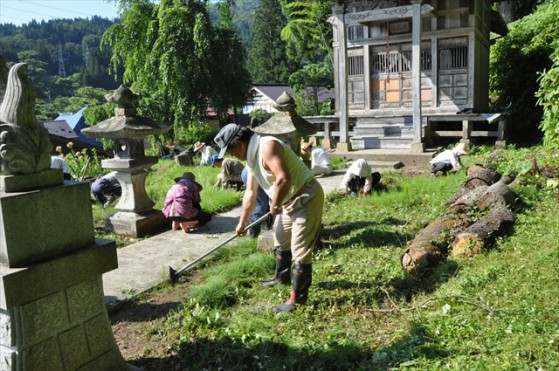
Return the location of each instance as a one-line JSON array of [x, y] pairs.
[[145, 264]]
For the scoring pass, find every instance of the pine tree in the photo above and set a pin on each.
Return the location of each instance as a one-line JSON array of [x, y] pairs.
[[268, 61]]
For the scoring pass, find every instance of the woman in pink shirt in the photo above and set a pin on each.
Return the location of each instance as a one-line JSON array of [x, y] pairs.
[[182, 204]]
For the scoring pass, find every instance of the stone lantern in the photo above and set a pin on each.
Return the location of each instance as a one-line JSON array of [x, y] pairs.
[[286, 125], [135, 216]]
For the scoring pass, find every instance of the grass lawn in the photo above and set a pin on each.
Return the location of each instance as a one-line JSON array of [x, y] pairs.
[[497, 310]]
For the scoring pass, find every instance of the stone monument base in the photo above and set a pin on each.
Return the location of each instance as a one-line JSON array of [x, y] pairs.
[[136, 225], [417, 147], [53, 316], [344, 147]]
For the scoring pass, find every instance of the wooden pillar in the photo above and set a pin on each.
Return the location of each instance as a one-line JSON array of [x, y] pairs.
[[417, 144], [344, 144], [327, 142], [501, 141], [466, 131]]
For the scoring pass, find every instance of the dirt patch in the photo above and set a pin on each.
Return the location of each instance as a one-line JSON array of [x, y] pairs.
[[134, 322]]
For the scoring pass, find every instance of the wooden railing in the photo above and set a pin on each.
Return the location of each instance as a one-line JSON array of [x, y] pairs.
[[472, 125]]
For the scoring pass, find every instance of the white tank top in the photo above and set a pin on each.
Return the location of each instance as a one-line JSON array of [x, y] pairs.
[[299, 172]]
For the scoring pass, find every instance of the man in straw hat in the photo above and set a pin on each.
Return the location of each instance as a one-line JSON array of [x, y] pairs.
[[296, 199], [448, 160], [182, 204], [206, 152]]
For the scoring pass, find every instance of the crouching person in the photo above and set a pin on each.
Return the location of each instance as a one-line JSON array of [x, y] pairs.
[[359, 179], [296, 199], [230, 174], [182, 204]]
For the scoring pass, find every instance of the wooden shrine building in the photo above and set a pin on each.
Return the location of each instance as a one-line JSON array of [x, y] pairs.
[[405, 68]]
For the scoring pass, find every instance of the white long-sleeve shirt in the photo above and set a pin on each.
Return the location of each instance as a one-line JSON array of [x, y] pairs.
[[449, 156], [319, 157], [360, 168], [207, 154]]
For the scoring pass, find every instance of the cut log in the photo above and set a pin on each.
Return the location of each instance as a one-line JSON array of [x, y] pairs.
[[431, 243], [491, 201], [470, 198], [502, 189], [477, 171], [468, 186], [482, 233]]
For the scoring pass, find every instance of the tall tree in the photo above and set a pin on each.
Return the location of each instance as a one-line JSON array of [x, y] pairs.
[[308, 29], [232, 78], [174, 57], [268, 61], [517, 60]]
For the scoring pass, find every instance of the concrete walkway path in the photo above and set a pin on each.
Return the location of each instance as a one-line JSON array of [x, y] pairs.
[[145, 264]]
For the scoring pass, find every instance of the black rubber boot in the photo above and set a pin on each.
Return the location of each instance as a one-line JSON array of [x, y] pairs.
[[283, 269], [302, 280]]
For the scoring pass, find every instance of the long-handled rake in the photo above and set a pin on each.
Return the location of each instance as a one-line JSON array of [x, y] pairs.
[[174, 274]]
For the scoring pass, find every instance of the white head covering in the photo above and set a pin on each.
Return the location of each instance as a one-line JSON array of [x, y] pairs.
[[360, 168], [461, 149]]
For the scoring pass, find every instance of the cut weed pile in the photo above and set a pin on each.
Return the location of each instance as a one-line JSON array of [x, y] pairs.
[[497, 310]]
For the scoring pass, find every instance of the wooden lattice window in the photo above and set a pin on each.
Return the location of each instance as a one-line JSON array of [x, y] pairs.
[[355, 32], [453, 57], [356, 65], [399, 61]]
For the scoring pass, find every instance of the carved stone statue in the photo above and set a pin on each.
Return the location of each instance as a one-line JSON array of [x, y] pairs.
[[24, 145]]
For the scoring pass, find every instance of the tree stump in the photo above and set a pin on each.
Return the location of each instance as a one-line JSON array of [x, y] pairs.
[[184, 159]]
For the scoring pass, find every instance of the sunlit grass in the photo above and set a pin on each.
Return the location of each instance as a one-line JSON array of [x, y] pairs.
[[493, 311]]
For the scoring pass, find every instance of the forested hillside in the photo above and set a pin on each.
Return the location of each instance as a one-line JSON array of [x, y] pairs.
[[60, 48], [243, 18]]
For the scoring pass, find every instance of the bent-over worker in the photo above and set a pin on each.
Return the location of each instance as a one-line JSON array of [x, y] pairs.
[[296, 200]]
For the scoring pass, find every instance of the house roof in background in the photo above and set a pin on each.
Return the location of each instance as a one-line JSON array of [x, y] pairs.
[[273, 91], [72, 119], [76, 121], [60, 129]]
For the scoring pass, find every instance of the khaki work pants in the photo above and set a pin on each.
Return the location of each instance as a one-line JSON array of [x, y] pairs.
[[298, 227]]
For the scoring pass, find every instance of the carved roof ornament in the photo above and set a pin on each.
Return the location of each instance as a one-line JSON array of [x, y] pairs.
[[286, 120], [286, 103], [24, 144], [125, 124], [123, 97]]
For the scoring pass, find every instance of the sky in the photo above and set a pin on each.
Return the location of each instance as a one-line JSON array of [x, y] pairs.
[[19, 12]]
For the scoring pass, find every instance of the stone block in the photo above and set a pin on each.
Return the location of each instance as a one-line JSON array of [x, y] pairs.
[[85, 300], [110, 361], [19, 286], [44, 317], [344, 146], [7, 334], [99, 335], [8, 359], [43, 356], [32, 220], [27, 182], [137, 225], [266, 241], [74, 349]]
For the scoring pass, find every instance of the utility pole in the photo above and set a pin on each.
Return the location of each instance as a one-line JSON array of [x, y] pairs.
[[61, 70]]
